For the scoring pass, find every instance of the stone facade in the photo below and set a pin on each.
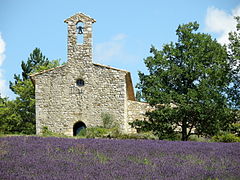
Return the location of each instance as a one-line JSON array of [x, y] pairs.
[[137, 110], [81, 91]]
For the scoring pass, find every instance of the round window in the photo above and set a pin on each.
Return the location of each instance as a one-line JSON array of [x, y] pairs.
[[80, 82]]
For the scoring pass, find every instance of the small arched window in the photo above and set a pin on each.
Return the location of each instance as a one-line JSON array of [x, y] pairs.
[[80, 82]]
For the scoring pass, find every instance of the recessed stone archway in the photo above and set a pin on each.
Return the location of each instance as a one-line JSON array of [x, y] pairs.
[[78, 127]]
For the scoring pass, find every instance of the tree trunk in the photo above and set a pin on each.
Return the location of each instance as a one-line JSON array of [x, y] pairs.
[[184, 131]]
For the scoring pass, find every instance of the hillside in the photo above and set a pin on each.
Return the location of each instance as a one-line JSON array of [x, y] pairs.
[[23, 157]]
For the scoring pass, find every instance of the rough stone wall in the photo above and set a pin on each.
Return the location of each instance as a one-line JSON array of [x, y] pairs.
[[60, 103], [136, 110]]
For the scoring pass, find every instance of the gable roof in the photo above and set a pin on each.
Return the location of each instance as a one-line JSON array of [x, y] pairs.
[[43, 72], [109, 67], [79, 17], [129, 85], [48, 70]]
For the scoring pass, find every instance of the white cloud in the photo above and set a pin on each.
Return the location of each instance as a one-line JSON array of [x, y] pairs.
[[3, 85], [107, 51], [2, 50], [119, 37], [221, 22]]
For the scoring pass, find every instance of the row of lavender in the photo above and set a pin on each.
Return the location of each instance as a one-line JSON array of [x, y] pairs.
[[61, 158]]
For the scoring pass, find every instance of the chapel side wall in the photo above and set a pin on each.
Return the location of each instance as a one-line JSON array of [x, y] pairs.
[[136, 111], [109, 95]]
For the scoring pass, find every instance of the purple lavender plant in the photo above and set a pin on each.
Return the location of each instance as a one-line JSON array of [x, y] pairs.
[[61, 158]]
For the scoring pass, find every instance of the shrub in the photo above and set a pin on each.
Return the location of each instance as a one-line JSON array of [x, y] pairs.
[[97, 132], [198, 138], [100, 132], [2, 134], [114, 132], [145, 135], [226, 137], [235, 129], [82, 133], [46, 132], [108, 120]]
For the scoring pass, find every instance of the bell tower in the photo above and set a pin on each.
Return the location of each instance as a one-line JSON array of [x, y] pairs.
[[80, 52]]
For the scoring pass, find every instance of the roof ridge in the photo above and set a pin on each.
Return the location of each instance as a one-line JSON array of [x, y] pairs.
[[106, 66], [80, 14], [44, 71]]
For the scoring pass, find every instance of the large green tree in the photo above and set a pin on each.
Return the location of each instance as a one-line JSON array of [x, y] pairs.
[[18, 116], [234, 59], [188, 84]]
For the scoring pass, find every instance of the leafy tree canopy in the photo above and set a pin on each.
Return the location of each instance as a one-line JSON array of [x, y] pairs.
[[188, 84], [18, 116], [234, 60]]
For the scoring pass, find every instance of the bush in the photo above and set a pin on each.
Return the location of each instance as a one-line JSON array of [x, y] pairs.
[[82, 133], [100, 132], [146, 135], [97, 132], [108, 120], [199, 138], [226, 137], [235, 129], [47, 132]]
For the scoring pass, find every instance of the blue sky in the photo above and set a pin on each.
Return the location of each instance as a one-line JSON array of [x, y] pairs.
[[122, 35]]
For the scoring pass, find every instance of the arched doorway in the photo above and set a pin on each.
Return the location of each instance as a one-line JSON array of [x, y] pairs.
[[78, 127]]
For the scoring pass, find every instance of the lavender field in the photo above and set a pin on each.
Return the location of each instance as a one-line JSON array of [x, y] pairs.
[[23, 157]]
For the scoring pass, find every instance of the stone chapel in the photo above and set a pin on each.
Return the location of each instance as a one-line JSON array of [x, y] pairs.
[[75, 95]]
